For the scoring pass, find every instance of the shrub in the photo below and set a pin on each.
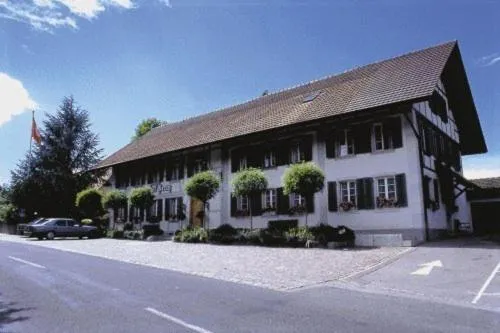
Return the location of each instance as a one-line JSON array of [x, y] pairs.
[[324, 233], [249, 182], [269, 237], [89, 202], [114, 199], [250, 236], [282, 225], [117, 234], [192, 235], [299, 236], [203, 186], [151, 230], [224, 234], [87, 221], [133, 234], [346, 234], [128, 226]]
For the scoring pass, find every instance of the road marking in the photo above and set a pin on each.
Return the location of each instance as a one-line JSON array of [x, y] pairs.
[[26, 262], [177, 321], [486, 284], [426, 268]]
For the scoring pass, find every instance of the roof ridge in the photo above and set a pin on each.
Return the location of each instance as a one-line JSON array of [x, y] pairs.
[[304, 84]]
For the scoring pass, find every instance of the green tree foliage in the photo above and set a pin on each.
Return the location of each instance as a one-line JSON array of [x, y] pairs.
[[142, 197], [304, 179], [203, 186], [145, 126], [249, 182], [114, 199], [89, 202], [48, 180]]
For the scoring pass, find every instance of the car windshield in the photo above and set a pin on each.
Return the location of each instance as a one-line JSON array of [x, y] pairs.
[[39, 221]]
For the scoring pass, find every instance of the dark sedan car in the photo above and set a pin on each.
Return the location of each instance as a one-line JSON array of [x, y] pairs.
[[60, 227]]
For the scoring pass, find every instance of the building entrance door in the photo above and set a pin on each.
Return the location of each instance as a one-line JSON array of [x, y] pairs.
[[196, 213]]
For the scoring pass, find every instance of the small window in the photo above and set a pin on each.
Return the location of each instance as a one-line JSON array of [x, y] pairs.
[[346, 143], [348, 195], [243, 163], [175, 172], [295, 153], [242, 203], [386, 192], [311, 97], [269, 159], [269, 200]]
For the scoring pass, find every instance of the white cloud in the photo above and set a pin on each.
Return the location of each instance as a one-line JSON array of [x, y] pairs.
[[14, 98], [49, 14], [489, 59], [481, 166]]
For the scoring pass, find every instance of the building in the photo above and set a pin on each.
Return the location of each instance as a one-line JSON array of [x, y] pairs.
[[485, 205], [389, 137]]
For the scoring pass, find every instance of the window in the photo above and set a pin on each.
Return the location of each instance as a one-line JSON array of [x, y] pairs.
[[386, 192], [295, 153], [199, 165], [269, 159], [172, 207], [345, 143], [154, 208], [269, 200], [381, 140], [175, 172], [243, 163], [296, 200], [60, 223], [348, 194], [121, 213], [242, 203]]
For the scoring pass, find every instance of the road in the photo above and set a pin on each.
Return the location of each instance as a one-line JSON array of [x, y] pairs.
[[46, 290]]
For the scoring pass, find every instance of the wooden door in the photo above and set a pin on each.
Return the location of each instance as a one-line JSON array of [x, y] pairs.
[[196, 213]]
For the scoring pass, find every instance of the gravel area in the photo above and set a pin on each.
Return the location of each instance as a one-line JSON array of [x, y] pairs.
[[273, 268]]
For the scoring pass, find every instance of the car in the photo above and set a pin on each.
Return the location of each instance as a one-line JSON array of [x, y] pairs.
[[21, 227], [60, 227]]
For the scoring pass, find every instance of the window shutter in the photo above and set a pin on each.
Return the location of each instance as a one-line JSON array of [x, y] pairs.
[[283, 201], [256, 202], [131, 213], [283, 153], [401, 190], [167, 209], [306, 147], [233, 205], [148, 213], [427, 200], [363, 138], [338, 138], [180, 209], [159, 209], [190, 168], [436, 192], [235, 161], [332, 197], [392, 128], [181, 170], [310, 203], [330, 146], [125, 213], [364, 186]]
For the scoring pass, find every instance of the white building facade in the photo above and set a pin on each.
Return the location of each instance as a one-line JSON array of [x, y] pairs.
[[392, 173]]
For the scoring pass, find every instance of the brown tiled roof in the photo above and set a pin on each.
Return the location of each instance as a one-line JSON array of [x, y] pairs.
[[493, 182], [404, 78]]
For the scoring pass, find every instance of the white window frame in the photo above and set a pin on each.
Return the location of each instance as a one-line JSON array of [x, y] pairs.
[[173, 204], [295, 153], [348, 190], [348, 142], [380, 140], [154, 208], [243, 164], [120, 213], [175, 173], [270, 199], [242, 203], [386, 192], [297, 200], [269, 159]]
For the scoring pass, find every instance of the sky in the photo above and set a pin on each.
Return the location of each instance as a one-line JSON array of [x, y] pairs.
[[126, 60]]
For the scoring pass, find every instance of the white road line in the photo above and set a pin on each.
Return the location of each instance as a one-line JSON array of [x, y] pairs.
[[26, 262], [177, 321], [486, 284]]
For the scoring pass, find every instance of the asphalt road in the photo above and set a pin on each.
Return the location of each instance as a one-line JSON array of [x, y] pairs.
[[46, 290], [466, 271]]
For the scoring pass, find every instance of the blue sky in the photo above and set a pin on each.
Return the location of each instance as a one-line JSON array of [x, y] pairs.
[[125, 60]]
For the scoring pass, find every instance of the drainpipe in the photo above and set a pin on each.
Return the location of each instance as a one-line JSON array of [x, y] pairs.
[[422, 176]]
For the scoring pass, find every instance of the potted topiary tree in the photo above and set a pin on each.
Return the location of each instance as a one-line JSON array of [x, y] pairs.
[[114, 199], [305, 179], [142, 198], [249, 182], [203, 186]]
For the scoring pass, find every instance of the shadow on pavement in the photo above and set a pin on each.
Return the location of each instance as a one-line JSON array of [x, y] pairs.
[[473, 242], [10, 314]]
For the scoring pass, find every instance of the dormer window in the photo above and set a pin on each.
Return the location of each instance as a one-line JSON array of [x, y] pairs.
[[345, 143]]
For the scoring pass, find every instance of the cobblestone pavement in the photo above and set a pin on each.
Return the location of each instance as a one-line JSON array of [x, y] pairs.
[[273, 268]]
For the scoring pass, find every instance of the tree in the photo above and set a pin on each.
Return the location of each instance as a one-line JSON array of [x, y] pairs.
[[304, 179], [249, 182], [142, 198], [89, 202], [203, 186], [114, 200], [47, 180], [145, 126]]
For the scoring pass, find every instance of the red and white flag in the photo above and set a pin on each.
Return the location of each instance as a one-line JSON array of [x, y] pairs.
[[35, 134]]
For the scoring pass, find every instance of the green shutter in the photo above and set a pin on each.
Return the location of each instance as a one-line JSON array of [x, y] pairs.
[[233, 205], [363, 138], [167, 209], [364, 186], [283, 202], [256, 202], [332, 197], [310, 203], [401, 190]]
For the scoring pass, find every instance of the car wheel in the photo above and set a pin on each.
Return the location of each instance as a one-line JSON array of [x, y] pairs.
[[50, 235], [40, 238]]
